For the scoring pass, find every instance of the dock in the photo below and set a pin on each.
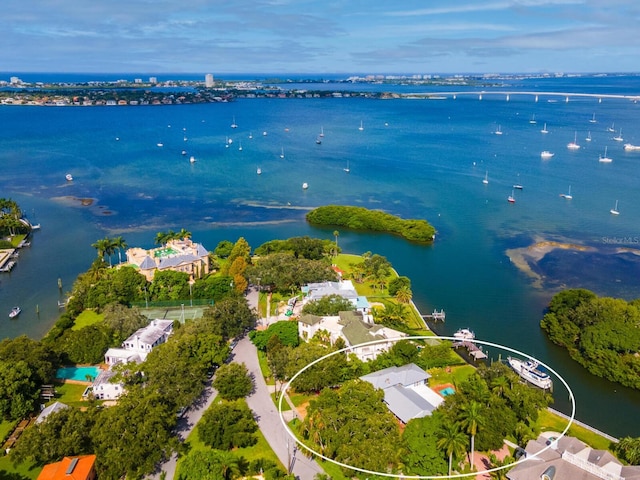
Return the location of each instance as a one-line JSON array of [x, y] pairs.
[[436, 315], [475, 351]]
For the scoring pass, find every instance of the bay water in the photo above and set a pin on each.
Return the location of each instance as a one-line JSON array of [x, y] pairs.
[[413, 158]]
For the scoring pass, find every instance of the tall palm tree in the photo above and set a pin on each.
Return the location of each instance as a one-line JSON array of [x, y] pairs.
[[120, 244], [101, 246], [336, 234], [184, 234], [452, 440], [161, 238], [471, 419]]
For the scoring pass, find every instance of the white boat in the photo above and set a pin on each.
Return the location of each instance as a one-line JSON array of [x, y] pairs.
[[318, 140], [282, 153], [192, 159], [604, 158], [259, 171], [574, 145], [530, 371], [233, 123], [588, 139], [618, 138], [226, 142], [486, 178], [614, 210], [347, 169], [240, 147], [321, 132], [184, 152], [464, 334], [631, 148], [511, 198], [498, 131], [546, 154], [305, 185], [69, 177], [568, 196], [250, 135], [160, 144], [544, 129], [517, 186], [533, 119], [361, 127], [184, 139], [593, 119], [264, 134], [611, 129], [15, 311]]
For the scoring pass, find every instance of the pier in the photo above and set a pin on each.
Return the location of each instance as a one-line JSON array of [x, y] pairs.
[[475, 351], [436, 315]]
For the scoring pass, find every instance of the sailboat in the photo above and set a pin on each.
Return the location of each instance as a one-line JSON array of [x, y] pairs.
[[544, 129], [259, 171], [233, 123], [593, 119], [611, 129], [511, 198], [574, 145], [568, 196], [588, 139], [250, 135], [614, 210], [226, 142], [282, 153], [486, 178], [605, 159], [499, 130], [361, 127], [618, 138], [347, 169], [321, 132], [533, 119]]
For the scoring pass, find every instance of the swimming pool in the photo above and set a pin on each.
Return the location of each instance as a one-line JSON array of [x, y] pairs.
[[447, 391], [77, 373]]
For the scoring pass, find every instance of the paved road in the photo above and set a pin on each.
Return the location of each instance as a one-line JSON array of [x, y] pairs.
[[267, 414]]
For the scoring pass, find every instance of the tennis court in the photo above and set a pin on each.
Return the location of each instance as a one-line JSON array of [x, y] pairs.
[[174, 313]]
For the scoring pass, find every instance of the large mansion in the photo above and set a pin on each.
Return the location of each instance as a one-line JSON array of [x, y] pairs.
[[177, 255]]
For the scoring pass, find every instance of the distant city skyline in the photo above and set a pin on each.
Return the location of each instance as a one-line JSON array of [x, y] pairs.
[[309, 36]]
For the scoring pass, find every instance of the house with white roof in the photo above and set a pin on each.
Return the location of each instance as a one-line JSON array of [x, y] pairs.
[[53, 408], [177, 255], [568, 457], [342, 288], [406, 391], [352, 327], [134, 349]]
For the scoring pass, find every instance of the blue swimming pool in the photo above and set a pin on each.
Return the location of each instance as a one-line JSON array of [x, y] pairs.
[[77, 373], [447, 391]]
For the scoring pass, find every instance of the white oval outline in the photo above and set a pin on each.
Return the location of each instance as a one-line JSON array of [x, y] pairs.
[[424, 337]]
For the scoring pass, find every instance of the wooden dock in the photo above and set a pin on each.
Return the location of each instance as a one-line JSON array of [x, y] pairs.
[[475, 351], [436, 316]]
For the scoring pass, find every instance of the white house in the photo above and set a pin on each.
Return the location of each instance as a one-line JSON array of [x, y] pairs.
[[353, 329], [406, 391], [146, 338], [343, 288], [568, 457], [104, 389]]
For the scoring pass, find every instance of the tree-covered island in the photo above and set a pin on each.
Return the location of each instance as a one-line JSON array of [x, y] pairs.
[[360, 218]]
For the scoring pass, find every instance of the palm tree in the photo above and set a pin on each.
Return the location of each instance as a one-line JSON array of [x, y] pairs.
[[228, 464], [500, 385], [336, 234], [120, 244], [404, 294], [452, 440], [161, 238], [183, 234], [102, 246], [471, 418]]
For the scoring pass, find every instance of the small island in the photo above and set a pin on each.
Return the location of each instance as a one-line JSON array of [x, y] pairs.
[[360, 218]]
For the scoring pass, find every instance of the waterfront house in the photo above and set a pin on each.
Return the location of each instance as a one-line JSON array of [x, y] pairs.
[[70, 468], [406, 391], [568, 457], [103, 388], [53, 408], [177, 255], [342, 288], [354, 329]]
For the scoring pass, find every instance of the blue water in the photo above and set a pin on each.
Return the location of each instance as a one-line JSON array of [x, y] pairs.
[[447, 391], [414, 158], [77, 373]]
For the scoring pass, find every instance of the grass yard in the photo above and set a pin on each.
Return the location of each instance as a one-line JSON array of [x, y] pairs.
[[25, 471], [71, 394], [453, 375], [261, 449], [86, 318], [548, 421]]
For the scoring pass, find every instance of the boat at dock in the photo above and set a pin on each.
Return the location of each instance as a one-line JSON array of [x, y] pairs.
[[531, 371], [464, 334], [15, 311]]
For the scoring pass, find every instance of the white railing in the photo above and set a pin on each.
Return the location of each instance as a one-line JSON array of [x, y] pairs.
[[590, 467]]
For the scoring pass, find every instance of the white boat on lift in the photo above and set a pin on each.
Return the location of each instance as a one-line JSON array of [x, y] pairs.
[[530, 371], [464, 334]]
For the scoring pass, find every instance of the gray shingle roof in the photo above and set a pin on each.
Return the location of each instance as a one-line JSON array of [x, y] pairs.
[[54, 407], [148, 263]]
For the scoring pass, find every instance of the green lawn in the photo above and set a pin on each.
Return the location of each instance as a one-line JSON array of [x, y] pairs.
[[454, 375], [260, 450], [548, 421], [86, 318], [71, 394], [25, 471]]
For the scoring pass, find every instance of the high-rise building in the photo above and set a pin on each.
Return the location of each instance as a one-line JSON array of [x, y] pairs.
[[153, 79], [208, 80]]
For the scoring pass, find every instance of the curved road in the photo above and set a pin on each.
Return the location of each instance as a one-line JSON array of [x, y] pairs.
[[263, 408]]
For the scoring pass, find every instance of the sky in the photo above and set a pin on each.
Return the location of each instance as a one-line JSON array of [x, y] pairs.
[[310, 36]]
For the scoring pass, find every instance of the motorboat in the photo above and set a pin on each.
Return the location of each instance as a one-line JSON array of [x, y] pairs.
[[546, 154], [15, 311], [531, 371], [629, 147], [69, 177], [464, 334], [305, 185]]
